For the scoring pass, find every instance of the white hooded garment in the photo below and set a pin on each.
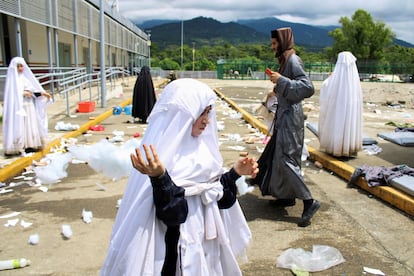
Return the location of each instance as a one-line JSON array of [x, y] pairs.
[[210, 239], [24, 119], [340, 117]]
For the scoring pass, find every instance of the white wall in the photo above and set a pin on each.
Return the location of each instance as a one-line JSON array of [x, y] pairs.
[[36, 37]]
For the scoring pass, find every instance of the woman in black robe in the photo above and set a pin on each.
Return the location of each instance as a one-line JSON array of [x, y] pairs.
[[280, 163], [144, 98]]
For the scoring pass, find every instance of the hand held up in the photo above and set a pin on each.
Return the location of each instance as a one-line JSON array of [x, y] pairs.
[[152, 166]]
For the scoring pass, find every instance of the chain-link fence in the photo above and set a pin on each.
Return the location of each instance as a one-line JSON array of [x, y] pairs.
[[368, 71]]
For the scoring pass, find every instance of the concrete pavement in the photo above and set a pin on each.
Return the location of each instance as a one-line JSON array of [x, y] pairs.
[[345, 169], [367, 231]]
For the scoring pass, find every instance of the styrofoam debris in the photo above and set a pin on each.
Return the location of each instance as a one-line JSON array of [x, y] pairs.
[[10, 215], [87, 216], [11, 222], [33, 239], [25, 224], [67, 231]]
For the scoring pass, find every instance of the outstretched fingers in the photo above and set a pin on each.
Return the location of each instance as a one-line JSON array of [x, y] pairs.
[[151, 165], [156, 160], [138, 161]]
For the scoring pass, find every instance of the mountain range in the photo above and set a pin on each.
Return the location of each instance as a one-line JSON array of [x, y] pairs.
[[208, 31]]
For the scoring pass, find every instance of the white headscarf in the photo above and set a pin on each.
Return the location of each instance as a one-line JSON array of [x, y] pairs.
[[187, 158], [13, 111], [136, 234]]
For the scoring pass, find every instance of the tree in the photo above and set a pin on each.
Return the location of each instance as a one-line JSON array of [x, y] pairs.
[[362, 36], [401, 58], [169, 64]]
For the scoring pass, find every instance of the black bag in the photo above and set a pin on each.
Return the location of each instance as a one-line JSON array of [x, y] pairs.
[[265, 166]]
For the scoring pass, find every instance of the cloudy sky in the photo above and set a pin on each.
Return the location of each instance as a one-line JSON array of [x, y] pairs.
[[396, 14]]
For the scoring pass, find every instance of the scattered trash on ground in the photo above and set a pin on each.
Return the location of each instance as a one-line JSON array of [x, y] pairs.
[[66, 126], [373, 271], [372, 149], [96, 128], [66, 231], [33, 239], [87, 216], [322, 257], [14, 263]]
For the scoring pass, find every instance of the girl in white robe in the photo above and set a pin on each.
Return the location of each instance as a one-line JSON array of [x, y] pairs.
[[24, 112], [184, 219], [340, 116]]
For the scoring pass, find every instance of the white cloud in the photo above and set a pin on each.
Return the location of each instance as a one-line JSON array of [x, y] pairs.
[[397, 14]]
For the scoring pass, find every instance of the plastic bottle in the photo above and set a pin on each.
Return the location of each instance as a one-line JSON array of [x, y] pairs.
[[14, 263]]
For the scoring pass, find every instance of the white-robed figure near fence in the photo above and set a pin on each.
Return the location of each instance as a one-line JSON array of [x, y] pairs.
[[340, 116], [24, 111], [179, 214]]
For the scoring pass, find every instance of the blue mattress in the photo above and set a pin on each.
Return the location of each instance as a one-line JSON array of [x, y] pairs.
[[365, 139], [400, 138], [404, 183]]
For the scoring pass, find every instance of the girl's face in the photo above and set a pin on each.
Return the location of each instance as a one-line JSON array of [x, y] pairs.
[[275, 44], [20, 68], [201, 123]]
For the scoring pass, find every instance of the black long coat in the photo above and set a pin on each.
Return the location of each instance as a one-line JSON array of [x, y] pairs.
[[143, 98]]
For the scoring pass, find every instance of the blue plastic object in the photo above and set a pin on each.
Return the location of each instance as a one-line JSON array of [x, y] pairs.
[[128, 109], [117, 110]]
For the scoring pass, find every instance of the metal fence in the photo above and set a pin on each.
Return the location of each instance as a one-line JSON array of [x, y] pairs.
[[64, 82], [368, 71]]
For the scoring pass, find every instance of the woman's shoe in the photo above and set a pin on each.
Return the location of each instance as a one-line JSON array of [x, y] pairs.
[[308, 213]]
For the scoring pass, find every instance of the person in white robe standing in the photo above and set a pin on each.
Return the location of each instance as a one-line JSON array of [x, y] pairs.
[[340, 116], [24, 111], [179, 214]]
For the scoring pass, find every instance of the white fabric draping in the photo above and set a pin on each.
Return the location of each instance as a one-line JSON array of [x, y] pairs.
[[24, 119], [340, 116], [137, 242]]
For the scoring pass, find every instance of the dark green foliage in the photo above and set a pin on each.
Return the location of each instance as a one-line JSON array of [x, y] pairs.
[[371, 42]]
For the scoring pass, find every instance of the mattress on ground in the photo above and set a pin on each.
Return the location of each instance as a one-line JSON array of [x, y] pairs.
[[365, 139], [400, 138], [404, 183]]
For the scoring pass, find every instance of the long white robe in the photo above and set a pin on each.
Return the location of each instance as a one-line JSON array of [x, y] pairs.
[[24, 118], [340, 116], [210, 239]]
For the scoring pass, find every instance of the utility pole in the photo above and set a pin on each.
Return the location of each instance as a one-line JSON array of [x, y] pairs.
[[149, 48], [182, 40], [193, 54], [102, 52]]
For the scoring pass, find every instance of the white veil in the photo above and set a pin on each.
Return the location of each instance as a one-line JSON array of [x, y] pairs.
[[340, 117], [13, 111], [136, 234]]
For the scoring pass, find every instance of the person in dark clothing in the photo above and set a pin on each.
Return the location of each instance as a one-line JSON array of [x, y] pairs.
[[179, 214], [280, 163], [143, 98]]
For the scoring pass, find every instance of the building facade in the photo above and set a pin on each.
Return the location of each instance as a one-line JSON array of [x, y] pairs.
[[67, 33]]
